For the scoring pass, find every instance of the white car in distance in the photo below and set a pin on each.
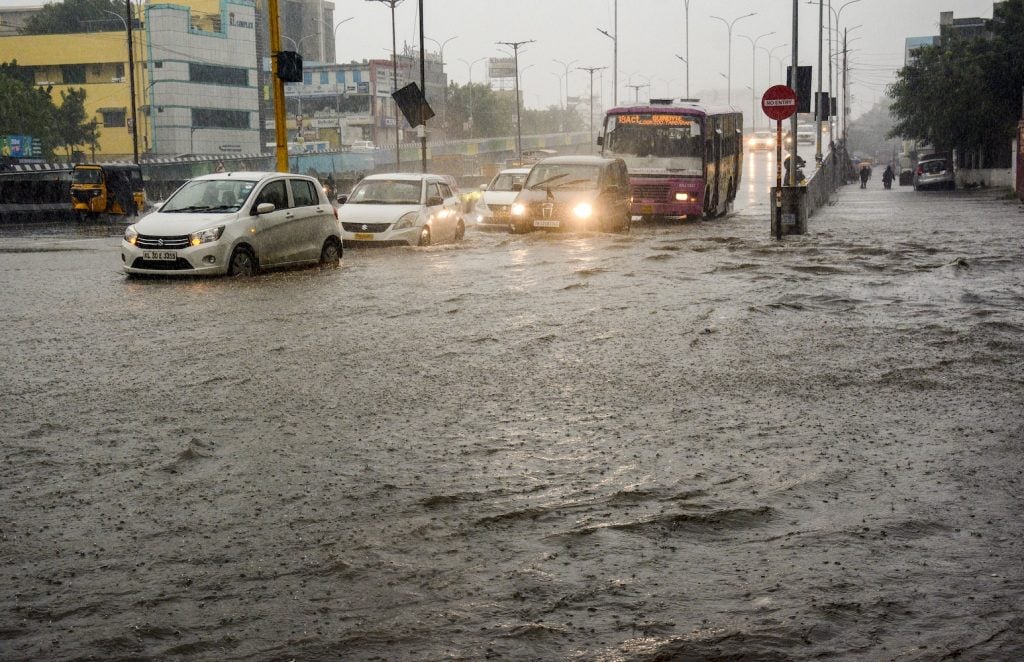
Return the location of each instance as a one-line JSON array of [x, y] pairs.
[[401, 209], [235, 223], [493, 208]]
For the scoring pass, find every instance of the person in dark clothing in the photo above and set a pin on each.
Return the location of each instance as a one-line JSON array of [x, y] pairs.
[[787, 164], [888, 176], [865, 175]]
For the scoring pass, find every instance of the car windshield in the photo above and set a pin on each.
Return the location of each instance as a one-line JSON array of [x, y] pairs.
[[507, 181], [386, 192], [210, 195], [563, 175]]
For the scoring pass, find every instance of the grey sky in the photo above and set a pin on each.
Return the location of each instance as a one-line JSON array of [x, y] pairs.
[[650, 35]]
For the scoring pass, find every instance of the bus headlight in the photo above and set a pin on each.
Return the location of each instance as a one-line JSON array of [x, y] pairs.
[[583, 210], [518, 209], [682, 197]]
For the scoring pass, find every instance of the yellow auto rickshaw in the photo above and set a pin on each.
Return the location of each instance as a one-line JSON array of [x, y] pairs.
[[107, 188]]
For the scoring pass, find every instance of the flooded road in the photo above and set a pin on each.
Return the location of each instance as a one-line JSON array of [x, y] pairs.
[[689, 442]]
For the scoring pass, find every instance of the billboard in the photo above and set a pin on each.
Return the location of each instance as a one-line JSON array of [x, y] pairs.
[[19, 146], [501, 67]]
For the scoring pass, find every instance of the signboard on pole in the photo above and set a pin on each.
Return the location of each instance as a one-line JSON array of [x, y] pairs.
[[778, 102]]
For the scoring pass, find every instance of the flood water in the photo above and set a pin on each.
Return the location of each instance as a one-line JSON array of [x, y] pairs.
[[688, 442]]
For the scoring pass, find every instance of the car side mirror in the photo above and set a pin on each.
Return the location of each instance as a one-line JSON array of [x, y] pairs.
[[342, 199], [600, 141], [434, 201], [265, 208], [483, 187]]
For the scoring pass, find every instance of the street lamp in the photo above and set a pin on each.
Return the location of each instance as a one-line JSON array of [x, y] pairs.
[[469, 66], [394, 78], [636, 88], [686, 60], [728, 25], [615, 53], [323, 49], [770, 55], [131, 75], [297, 45], [591, 123], [515, 45], [566, 66], [444, 94], [753, 74], [687, 63]]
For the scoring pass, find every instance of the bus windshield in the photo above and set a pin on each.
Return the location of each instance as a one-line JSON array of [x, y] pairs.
[[656, 140]]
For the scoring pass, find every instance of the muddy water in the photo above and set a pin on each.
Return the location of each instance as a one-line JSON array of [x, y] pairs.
[[691, 442]]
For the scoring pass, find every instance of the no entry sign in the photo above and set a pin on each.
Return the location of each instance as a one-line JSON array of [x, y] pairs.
[[778, 102]]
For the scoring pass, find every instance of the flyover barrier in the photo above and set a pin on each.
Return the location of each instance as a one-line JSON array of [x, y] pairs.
[[800, 202]]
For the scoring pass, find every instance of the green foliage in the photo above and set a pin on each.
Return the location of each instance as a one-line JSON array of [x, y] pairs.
[[493, 114], [24, 108], [70, 126], [72, 16], [965, 93]]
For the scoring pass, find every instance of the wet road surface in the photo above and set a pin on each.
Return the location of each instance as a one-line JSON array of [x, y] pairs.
[[689, 442]]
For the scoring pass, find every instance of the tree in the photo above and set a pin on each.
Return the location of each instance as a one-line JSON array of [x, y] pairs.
[[26, 109], [965, 94], [70, 126], [73, 16]]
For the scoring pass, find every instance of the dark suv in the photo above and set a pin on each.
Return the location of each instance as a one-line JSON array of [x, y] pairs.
[[574, 193]]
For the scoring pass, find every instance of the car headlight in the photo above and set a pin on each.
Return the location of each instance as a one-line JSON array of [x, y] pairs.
[[407, 220], [205, 236], [130, 235], [682, 197], [583, 210], [518, 209]]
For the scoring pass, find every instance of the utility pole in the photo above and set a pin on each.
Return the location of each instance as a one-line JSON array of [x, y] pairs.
[[423, 85], [615, 53], [131, 79], [591, 70], [817, 102], [394, 77], [793, 120], [519, 129], [686, 7]]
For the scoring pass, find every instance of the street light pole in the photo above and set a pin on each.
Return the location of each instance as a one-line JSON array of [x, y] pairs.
[[728, 25], [131, 75], [519, 129], [566, 66], [469, 65], [591, 123], [686, 61], [615, 53], [444, 96], [753, 75], [394, 78]]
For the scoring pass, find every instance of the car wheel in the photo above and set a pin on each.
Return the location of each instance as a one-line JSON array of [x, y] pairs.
[[330, 254], [242, 263], [460, 231], [424, 236]]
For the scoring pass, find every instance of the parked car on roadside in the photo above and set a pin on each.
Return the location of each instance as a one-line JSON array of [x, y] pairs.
[[934, 173], [574, 193], [401, 209], [492, 210], [235, 223]]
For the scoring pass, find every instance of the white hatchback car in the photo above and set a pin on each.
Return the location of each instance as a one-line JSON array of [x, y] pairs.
[[492, 210], [401, 209], [235, 223]]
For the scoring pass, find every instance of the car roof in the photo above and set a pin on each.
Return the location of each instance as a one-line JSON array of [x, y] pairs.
[[578, 160], [405, 176], [514, 171], [247, 175]]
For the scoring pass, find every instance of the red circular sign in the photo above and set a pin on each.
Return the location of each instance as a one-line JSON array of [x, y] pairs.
[[778, 102]]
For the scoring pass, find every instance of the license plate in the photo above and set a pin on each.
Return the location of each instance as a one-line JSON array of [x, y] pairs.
[[646, 209], [545, 224], [160, 255], [364, 235]]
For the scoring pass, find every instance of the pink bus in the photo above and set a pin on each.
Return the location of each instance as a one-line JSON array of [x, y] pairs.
[[684, 159]]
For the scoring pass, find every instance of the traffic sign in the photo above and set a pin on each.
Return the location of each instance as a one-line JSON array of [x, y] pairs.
[[778, 102]]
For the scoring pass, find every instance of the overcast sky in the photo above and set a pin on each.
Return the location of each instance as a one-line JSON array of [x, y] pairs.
[[651, 34]]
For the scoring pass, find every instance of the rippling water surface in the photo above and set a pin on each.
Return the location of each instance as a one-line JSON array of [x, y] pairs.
[[689, 442]]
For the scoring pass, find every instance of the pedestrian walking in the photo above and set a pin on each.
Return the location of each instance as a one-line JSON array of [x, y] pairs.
[[865, 175], [887, 177]]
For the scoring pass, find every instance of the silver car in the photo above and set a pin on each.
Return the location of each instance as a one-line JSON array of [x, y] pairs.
[[934, 173], [235, 223], [493, 207], [401, 209]]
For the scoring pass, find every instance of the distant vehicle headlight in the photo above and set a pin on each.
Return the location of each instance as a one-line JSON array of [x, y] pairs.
[[130, 235], [682, 197], [583, 210], [205, 236], [407, 220], [518, 209]]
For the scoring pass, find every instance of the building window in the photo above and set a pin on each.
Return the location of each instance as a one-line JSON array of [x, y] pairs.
[[112, 116], [213, 118], [73, 74], [217, 75], [323, 77], [119, 69], [307, 78], [339, 76]]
